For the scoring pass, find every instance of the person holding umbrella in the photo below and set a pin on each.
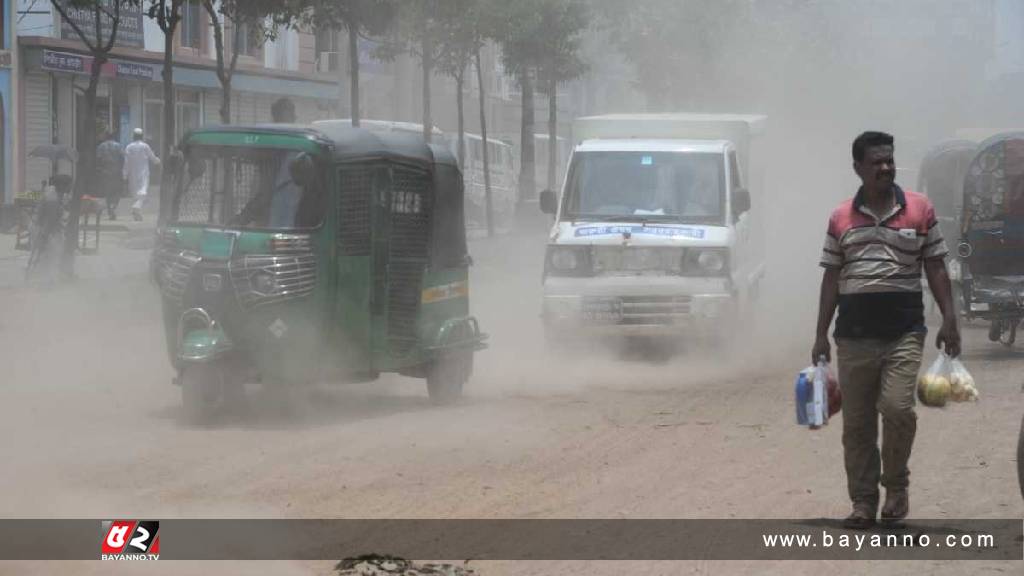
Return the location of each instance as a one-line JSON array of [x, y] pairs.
[[137, 158]]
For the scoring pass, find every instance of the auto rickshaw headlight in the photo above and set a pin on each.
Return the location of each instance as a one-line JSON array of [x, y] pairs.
[[264, 282]]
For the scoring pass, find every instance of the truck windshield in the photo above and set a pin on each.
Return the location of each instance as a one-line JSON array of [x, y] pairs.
[[669, 186], [246, 188]]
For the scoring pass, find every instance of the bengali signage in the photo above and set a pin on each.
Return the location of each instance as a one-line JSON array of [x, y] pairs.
[[64, 62], [81, 64], [129, 28]]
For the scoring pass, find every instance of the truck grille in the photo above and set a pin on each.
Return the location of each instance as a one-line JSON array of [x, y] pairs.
[[637, 259], [654, 310]]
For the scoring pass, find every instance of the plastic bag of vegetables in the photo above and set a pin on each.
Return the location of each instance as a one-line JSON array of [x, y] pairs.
[[946, 380], [961, 383]]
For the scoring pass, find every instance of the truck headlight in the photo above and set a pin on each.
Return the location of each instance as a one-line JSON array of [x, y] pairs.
[[711, 261], [706, 262], [567, 261]]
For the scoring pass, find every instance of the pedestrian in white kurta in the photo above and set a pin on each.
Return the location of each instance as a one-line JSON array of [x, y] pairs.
[[137, 158]]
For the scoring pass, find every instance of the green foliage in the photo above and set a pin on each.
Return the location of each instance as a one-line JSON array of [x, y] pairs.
[[540, 35], [368, 17]]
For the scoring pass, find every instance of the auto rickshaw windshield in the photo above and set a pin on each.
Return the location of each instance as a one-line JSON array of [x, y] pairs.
[[243, 187]]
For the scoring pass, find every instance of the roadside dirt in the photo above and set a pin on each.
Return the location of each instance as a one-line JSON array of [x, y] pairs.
[[90, 426]]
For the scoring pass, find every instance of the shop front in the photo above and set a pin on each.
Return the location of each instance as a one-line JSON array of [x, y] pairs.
[[130, 95]]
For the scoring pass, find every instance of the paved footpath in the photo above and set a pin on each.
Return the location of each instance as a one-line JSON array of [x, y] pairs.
[[124, 248]]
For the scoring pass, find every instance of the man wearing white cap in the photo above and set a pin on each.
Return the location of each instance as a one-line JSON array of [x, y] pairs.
[[137, 158]]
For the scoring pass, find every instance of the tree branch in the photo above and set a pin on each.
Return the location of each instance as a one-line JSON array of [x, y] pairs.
[[115, 23], [64, 17]]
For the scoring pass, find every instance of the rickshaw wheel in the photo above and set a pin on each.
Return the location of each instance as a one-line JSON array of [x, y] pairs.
[[201, 387], [447, 375]]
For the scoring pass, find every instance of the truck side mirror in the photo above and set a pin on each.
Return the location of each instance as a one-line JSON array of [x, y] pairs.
[[548, 202], [740, 201]]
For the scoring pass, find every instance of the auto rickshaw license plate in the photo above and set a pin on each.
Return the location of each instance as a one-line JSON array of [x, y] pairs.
[[602, 310]]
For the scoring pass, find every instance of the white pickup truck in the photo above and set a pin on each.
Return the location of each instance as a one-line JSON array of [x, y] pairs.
[[657, 229]]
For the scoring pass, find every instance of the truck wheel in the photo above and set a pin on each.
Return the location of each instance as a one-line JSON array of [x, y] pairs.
[[447, 375], [202, 385]]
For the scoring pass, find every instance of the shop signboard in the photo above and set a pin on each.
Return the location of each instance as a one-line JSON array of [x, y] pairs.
[[81, 64], [129, 29]]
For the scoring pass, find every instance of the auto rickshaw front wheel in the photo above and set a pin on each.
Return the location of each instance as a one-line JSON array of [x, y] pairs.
[[447, 374], [204, 387]]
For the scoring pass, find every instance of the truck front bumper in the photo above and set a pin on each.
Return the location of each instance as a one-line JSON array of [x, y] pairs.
[[635, 306]]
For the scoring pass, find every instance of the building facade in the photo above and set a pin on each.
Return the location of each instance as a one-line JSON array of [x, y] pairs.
[[8, 166], [55, 66]]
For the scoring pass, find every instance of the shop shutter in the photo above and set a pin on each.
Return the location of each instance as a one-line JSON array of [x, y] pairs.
[[38, 127]]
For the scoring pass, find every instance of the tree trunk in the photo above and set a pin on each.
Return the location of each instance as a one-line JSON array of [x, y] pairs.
[[427, 59], [483, 134], [169, 119], [85, 171], [225, 103], [353, 71], [552, 134], [168, 77], [526, 165], [459, 81]]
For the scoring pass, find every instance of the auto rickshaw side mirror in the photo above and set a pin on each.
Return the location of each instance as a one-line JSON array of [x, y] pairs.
[[302, 170], [740, 201], [548, 202]]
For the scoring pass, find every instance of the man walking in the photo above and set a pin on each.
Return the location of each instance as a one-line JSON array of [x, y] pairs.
[[137, 158], [876, 245], [109, 172]]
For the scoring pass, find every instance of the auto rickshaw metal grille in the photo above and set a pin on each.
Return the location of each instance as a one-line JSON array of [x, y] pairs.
[[354, 210], [197, 204], [289, 276], [174, 266], [194, 204], [411, 209]]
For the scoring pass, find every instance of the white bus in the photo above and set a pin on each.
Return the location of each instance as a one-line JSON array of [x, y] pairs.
[[504, 180]]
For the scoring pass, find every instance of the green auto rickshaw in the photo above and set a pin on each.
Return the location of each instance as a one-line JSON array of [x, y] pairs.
[[290, 255]]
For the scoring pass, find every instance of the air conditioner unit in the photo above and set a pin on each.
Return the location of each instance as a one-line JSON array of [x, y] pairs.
[[328, 61]]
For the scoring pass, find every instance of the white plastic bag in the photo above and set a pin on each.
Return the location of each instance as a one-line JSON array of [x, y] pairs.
[[961, 383], [946, 380]]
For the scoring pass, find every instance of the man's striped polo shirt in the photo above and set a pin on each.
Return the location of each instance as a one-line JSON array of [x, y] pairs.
[[880, 260]]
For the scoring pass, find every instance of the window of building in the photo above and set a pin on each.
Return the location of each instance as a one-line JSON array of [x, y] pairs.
[[191, 31], [250, 42], [327, 50]]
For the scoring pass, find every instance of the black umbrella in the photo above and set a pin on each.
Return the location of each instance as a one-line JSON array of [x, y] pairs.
[[54, 152]]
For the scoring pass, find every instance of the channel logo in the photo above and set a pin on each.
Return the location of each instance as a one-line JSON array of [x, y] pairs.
[[130, 540]]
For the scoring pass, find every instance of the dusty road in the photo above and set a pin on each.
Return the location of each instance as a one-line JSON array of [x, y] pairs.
[[91, 427]]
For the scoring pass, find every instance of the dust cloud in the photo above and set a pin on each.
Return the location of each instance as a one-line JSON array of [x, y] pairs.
[[822, 72]]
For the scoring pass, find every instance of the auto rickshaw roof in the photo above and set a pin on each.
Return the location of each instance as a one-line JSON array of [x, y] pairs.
[[225, 134], [349, 143], [998, 139], [946, 146]]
